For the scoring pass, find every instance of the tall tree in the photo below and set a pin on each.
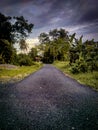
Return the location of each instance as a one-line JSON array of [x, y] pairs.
[[55, 45], [21, 28], [33, 53], [5, 27], [6, 51], [12, 30], [23, 45], [44, 38]]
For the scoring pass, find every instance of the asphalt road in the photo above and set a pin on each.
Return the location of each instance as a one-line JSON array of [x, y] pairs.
[[48, 100]]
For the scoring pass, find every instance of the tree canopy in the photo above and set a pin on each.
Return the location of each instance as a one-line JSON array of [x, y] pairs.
[[13, 30], [59, 45], [55, 44]]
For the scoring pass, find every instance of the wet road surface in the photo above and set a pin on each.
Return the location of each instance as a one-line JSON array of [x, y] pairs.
[[48, 100]]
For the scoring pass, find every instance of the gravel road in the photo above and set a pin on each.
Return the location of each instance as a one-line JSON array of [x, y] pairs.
[[48, 100]]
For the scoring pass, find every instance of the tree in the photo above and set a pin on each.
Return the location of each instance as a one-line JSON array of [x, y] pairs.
[[55, 44], [23, 45], [33, 53], [56, 34], [76, 47], [24, 59], [21, 28], [6, 51], [13, 30], [44, 38], [5, 27]]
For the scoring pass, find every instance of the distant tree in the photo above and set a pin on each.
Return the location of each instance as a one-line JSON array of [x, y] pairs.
[[55, 34], [23, 45], [44, 38], [33, 53], [55, 44], [48, 56]]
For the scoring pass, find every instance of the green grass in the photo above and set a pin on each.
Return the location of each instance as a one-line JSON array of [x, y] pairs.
[[89, 78], [16, 74]]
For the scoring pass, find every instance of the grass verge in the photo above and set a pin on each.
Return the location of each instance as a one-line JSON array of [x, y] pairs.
[[89, 78], [17, 73]]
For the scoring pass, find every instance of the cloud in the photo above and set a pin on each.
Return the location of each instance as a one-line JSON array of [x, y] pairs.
[[4, 3], [78, 15], [32, 42], [90, 15]]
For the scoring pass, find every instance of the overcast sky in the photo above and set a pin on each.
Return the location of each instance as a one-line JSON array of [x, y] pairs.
[[80, 16]]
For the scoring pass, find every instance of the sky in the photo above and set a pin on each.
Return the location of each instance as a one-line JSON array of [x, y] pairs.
[[79, 16]]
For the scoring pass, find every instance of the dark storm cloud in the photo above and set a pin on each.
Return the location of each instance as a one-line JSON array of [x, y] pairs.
[[12, 2], [48, 14], [90, 16]]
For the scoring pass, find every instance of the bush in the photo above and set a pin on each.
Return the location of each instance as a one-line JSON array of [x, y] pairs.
[[82, 65], [25, 61], [79, 66], [74, 68]]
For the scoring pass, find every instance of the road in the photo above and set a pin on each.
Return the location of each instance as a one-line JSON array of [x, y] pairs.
[[48, 100]]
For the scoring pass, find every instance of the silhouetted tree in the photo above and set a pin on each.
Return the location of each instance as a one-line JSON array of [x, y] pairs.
[[12, 30]]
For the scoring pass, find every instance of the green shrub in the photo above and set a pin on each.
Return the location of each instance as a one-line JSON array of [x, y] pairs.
[[23, 60], [74, 68], [82, 66], [79, 66], [26, 61]]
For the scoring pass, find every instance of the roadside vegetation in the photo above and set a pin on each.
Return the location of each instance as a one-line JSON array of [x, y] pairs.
[[88, 78], [72, 55], [14, 65], [17, 73], [56, 45]]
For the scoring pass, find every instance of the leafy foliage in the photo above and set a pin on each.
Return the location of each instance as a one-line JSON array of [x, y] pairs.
[[24, 60], [12, 30], [6, 51], [54, 45], [87, 78], [58, 45], [33, 53], [5, 28], [23, 44], [21, 28]]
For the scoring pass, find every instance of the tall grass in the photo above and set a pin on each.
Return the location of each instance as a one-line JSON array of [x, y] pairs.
[[18, 73]]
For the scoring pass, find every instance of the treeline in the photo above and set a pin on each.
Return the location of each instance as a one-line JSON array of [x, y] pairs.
[[15, 30], [55, 45], [59, 45]]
